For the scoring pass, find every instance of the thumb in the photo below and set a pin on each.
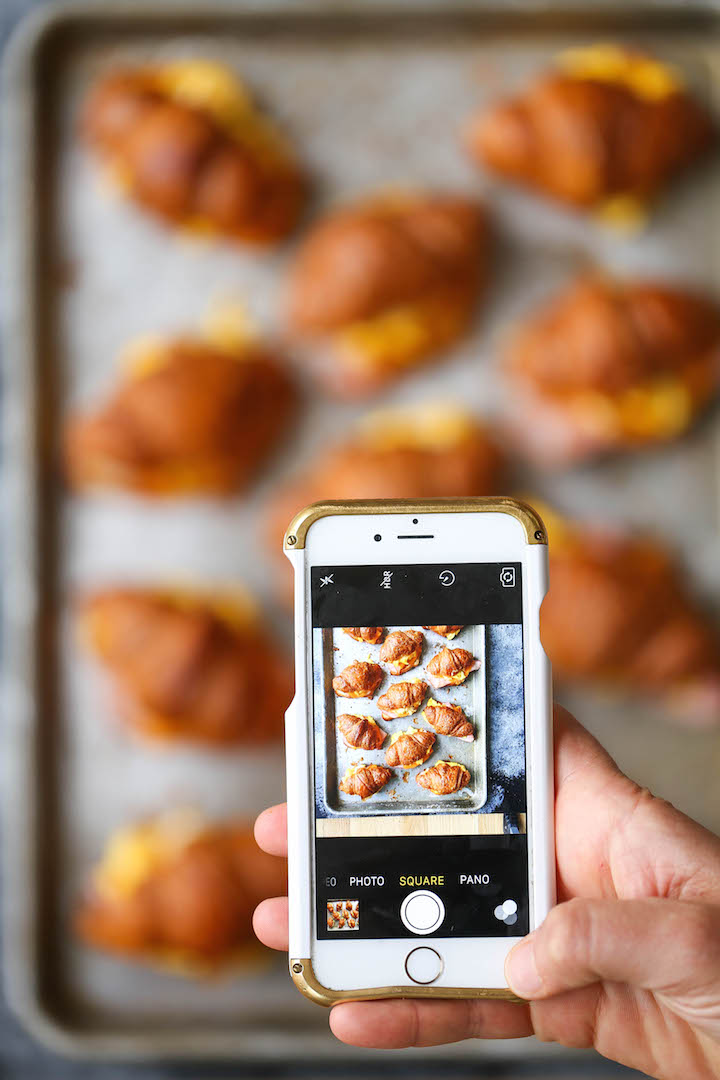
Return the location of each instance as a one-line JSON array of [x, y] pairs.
[[666, 946]]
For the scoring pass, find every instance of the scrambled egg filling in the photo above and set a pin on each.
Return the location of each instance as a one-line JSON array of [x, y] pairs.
[[204, 84], [646, 77], [659, 408], [402, 334], [136, 852], [425, 427]]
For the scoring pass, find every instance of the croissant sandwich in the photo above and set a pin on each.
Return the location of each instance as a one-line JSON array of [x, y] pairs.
[[186, 143], [450, 667], [360, 732], [365, 780], [190, 666], [448, 632], [370, 635], [382, 286], [359, 679], [402, 699], [448, 719], [401, 651], [189, 417], [605, 130], [444, 777], [179, 892], [410, 748], [619, 613], [610, 366]]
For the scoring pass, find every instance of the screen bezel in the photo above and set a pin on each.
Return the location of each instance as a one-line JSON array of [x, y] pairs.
[[488, 536]]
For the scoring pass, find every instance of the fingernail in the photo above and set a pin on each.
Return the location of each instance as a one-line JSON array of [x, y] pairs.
[[521, 970]]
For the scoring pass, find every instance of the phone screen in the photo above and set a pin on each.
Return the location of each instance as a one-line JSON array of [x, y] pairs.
[[419, 751]]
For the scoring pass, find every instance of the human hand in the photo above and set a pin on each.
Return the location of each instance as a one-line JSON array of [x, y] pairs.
[[629, 960]]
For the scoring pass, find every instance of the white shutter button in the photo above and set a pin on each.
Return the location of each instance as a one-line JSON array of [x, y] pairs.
[[422, 912], [423, 965]]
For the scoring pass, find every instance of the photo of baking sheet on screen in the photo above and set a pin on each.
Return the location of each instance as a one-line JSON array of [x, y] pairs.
[[419, 730]]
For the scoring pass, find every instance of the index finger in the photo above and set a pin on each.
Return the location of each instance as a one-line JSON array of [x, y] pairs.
[[271, 830]]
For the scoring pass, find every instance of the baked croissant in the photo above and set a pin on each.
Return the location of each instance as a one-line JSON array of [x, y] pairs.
[[608, 128], [371, 635], [410, 748], [448, 719], [402, 699], [179, 892], [359, 679], [612, 365], [190, 666], [448, 632], [450, 667], [365, 780], [416, 452], [361, 732], [401, 650], [444, 777], [190, 417], [186, 143], [379, 287], [646, 633]]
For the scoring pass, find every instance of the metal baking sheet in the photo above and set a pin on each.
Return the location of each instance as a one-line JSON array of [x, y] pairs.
[[371, 95], [402, 795]]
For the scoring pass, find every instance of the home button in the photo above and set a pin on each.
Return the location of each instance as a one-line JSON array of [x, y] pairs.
[[423, 965]]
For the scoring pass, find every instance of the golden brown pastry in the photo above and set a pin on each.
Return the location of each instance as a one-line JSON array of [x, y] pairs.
[[365, 780], [448, 719], [360, 732], [606, 130], [380, 287], [359, 679], [186, 143], [417, 452], [179, 892], [448, 632], [189, 417], [410, 748], [450, 667], [402, 699], [190, 666], [612, 365], [444, 777], [619, 613], [370, 635], [401, 651]]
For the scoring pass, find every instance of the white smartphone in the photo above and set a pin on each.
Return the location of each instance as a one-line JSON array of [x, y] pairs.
[[419, 755]]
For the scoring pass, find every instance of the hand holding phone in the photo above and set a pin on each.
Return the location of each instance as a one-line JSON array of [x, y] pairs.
[[419, 757]]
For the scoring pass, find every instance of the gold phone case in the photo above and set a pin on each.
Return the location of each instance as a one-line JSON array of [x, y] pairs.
[[301, 969]]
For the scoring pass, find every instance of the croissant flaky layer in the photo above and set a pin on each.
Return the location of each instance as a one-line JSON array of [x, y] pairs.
[[187, 144], [199, 419], [171, 892], [371, 635], [388, 283], [410, 748], [401, 650], [186, 668], [645, 632], [450, 667], [619, 124], [360, 732], [448, 719], [611, 365], [365, 780], [358, 680], [444, 778], [402, 699]]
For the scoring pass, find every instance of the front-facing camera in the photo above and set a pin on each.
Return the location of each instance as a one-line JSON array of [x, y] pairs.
[[377, 536]]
